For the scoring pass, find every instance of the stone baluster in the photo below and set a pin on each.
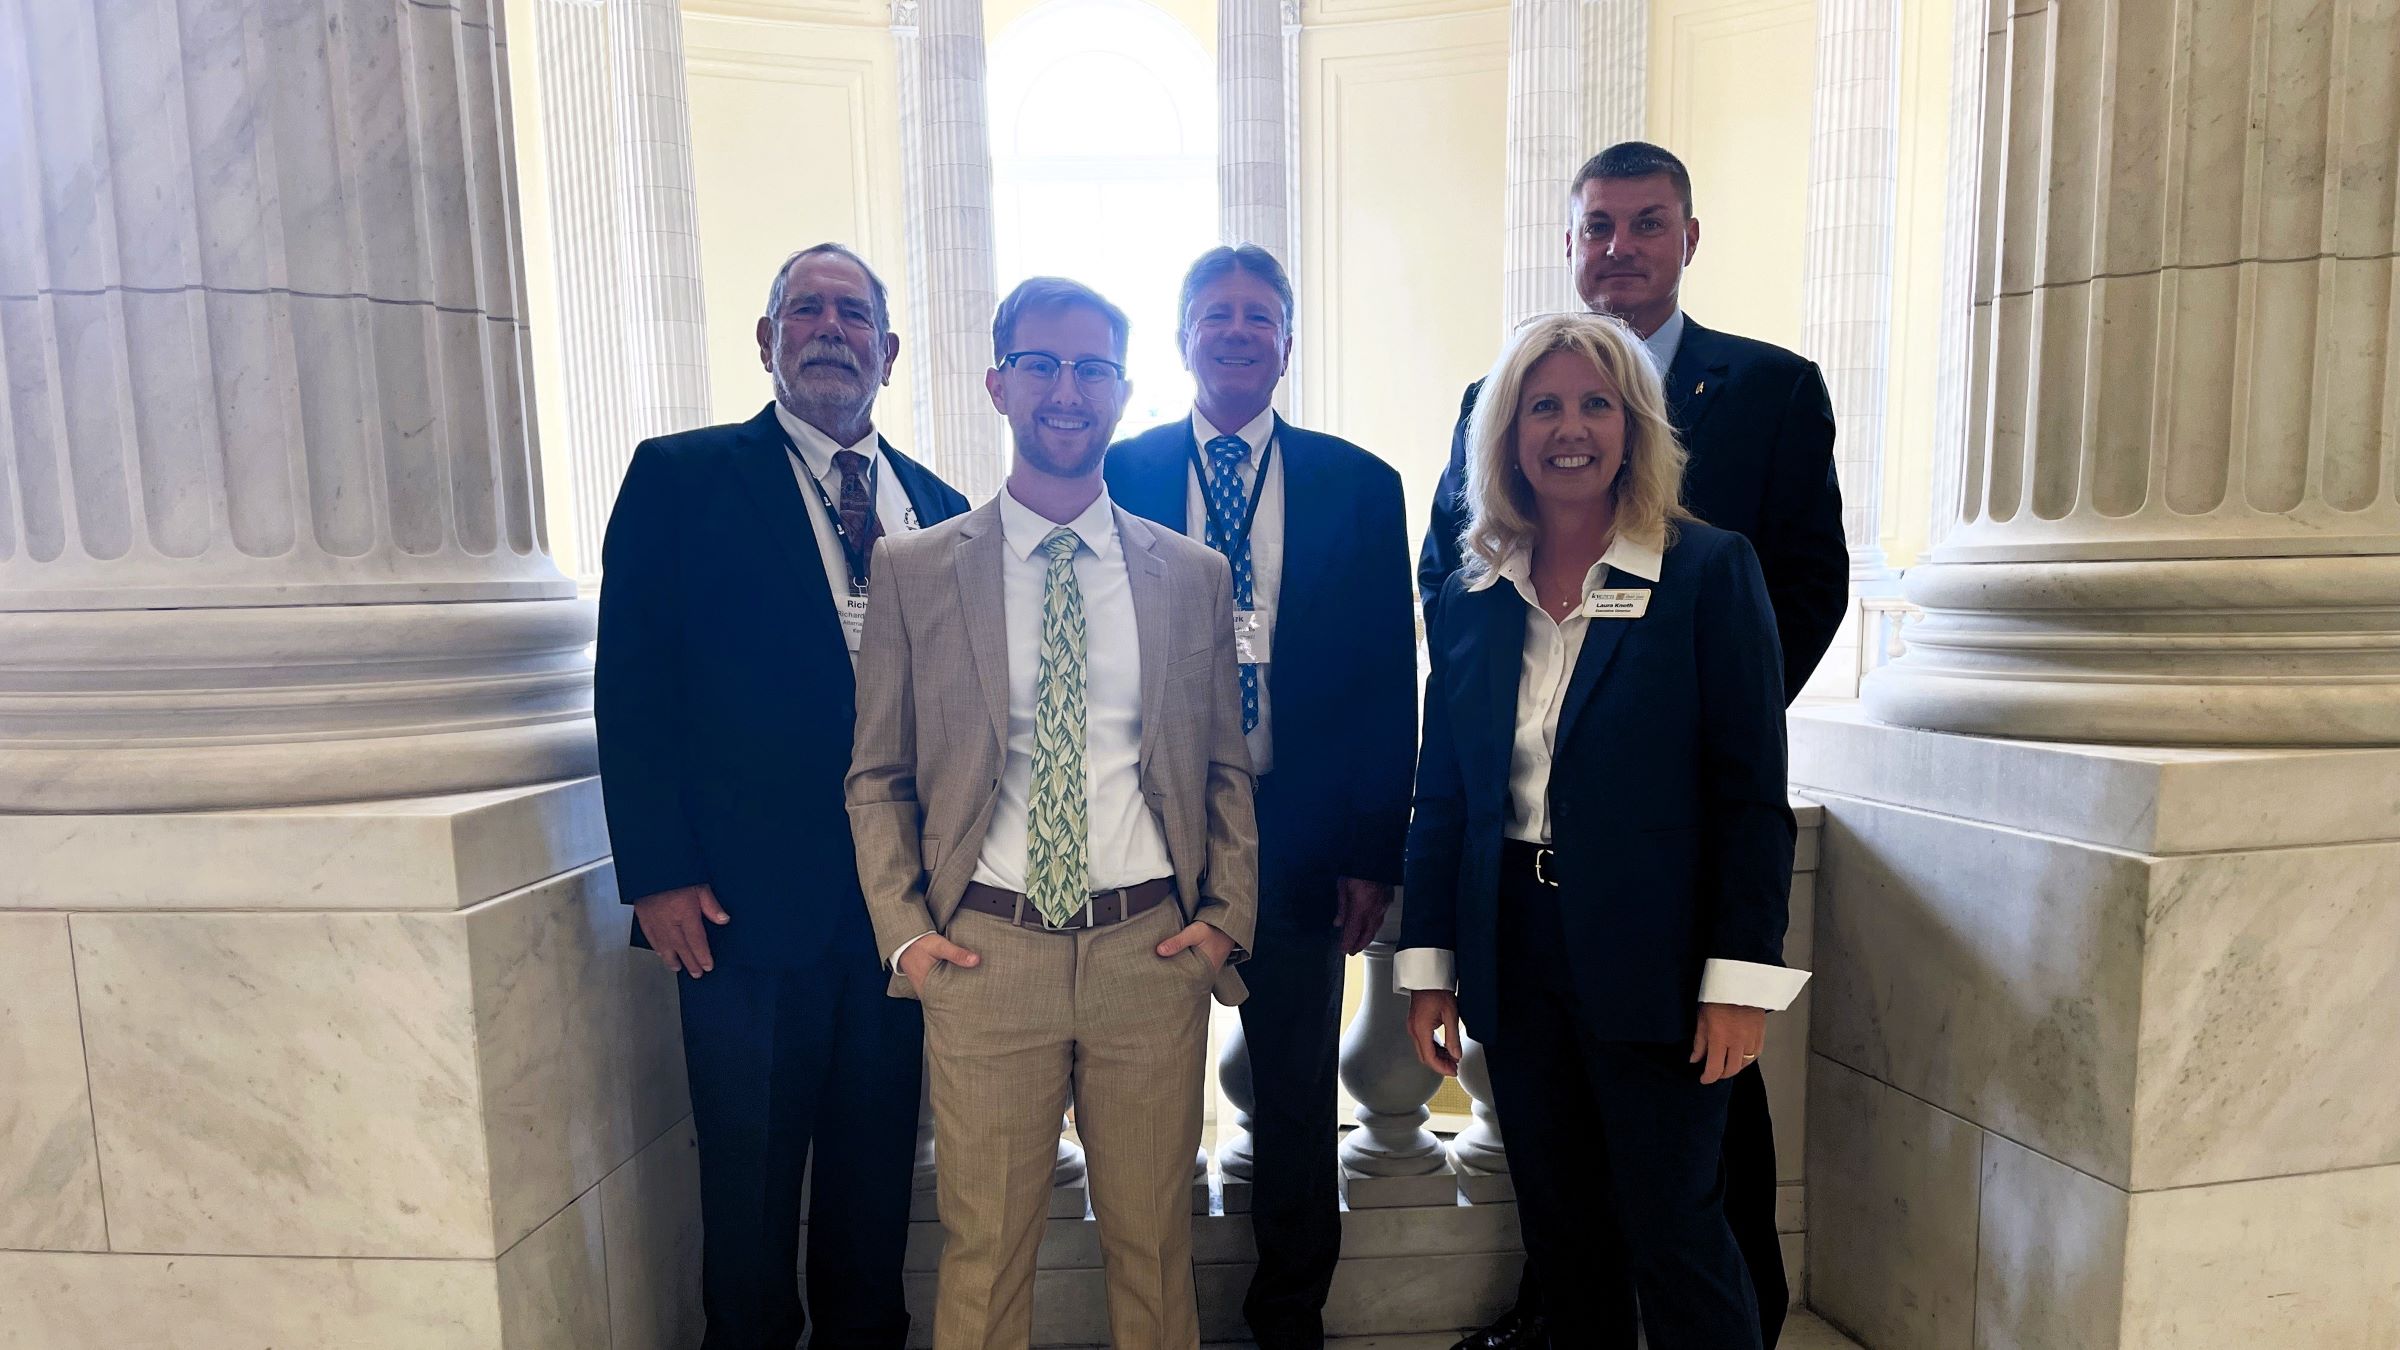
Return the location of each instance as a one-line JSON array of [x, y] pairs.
[[1853, 187], [2179, 522], [270, 502], [1391, 1159], [951, 197], [1547, 117], [1478, 1151], [1235, 1164]]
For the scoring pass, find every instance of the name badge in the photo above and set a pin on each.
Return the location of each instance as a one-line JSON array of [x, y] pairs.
[[1631, 603], [1253, 636], [854, 620]]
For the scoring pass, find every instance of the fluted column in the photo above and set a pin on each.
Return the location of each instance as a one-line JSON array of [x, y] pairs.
[[953, 197], [2181, 519], [1853, 179], [1254, 141], [916, 327], [1616, 62], [270, 523], [1546, 126], [626, 234], [1954, 365]]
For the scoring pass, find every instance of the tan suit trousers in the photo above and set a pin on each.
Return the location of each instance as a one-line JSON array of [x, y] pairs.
[[1097, 1016]]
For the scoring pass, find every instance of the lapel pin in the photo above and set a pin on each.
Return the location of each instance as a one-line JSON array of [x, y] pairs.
[[1700, 388]]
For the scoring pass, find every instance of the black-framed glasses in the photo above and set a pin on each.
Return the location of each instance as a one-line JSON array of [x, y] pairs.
[[1092, 372]]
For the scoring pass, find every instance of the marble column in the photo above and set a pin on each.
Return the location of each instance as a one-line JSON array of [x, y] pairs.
[[1546, 127], [1853, 178], [270, 522], [1954, 366], [952, 197], [1254, 139], [626, 236], [2179, 521], [908, 51], [1616, 64]]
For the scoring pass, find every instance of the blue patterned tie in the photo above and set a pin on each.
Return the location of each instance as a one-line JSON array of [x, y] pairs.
[[1228, 507]]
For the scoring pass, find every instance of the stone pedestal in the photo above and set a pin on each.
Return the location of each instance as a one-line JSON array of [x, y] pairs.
[[372, 1076], [2098, 1043]]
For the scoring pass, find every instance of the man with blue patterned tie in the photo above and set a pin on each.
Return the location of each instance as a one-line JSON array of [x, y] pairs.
[[1051, 803], [1317, 537]]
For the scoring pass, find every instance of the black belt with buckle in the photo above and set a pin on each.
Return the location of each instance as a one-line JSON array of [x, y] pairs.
[[1538, 861], [1106, 907]]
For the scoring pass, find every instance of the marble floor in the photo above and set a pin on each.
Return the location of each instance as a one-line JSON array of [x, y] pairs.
[[1803, 1332]]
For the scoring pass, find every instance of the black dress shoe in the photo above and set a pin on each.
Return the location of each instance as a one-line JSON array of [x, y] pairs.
[[1515, 1331]]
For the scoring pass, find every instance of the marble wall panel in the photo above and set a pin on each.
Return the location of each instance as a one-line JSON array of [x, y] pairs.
[[49, 1160], [553, 1286], [1892, 1193], [58, 1300], [579, 1044], [1996, 974], [650, 1209], [285, 1084], [2050, 1267], [2259, 974], [2297, 1261]]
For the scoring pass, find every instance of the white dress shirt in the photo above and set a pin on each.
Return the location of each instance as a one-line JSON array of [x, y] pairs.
[[1266, 545], [812, 454], [1127, 845], [1663, 344], [1551, 650]]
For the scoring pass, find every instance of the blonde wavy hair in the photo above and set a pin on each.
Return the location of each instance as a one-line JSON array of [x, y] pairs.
[[1501, 520]]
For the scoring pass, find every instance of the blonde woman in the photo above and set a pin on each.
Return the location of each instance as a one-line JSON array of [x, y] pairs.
[[1598, 866]]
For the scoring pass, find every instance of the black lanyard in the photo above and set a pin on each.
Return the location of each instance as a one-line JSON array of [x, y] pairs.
[[1258, 490], [857, 559]]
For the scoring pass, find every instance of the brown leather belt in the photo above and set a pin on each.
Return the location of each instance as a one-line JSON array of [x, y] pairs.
[[1107, 907]]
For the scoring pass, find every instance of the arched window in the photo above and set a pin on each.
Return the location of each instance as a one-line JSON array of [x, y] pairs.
[[1104, 146]]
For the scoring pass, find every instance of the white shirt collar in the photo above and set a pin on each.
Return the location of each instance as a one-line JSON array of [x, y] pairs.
[[817, 449], [1025, 528], [1641, 556], [1255, 435], [1663, 344]]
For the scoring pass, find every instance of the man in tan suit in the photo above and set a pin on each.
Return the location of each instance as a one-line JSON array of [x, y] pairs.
[[1051, 800]]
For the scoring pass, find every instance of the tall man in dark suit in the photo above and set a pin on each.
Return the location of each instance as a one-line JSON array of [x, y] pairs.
[[1758, 425], [1317, 536], [730, 613]]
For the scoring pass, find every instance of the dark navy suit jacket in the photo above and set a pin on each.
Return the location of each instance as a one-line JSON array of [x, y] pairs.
[[724, 694], [1342, 678], [1759, 427], [1668, 813]]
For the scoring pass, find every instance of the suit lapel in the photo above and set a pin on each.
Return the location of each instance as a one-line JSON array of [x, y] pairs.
[[765, 465], [979, 559], [912, 485], [1155, 481], [1496, 650], [1153, 621], [1313, 534], [1601, 638], [1693, 381]]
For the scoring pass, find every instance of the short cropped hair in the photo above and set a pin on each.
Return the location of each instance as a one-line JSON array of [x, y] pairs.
[[1045, 294], [1224, 259], [1635, 159], [882, 295], [1501, 520]]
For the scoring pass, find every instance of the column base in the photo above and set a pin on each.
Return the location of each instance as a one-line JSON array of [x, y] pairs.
[[2087, 1023], [2236, 651], [210, 709]]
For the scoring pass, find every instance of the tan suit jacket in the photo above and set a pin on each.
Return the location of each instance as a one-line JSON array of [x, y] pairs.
[[933, 727]]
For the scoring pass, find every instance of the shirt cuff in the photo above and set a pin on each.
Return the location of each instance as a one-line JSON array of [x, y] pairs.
[[1415, 968], [903, 947], [1749, 984]]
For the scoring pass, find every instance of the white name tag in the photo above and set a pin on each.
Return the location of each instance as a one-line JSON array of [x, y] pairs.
[[854, 620], [1625, 604], [1253, 636]]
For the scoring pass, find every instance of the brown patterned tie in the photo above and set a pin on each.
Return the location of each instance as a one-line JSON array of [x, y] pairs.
[[860, 525]]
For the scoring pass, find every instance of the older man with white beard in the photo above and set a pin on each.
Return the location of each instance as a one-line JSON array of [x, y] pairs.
[[735, 591]]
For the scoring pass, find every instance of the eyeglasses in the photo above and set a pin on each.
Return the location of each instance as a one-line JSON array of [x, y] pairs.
[[1092, 372]]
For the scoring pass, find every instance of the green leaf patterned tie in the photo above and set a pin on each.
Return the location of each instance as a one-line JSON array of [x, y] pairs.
[[1058, 864]]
